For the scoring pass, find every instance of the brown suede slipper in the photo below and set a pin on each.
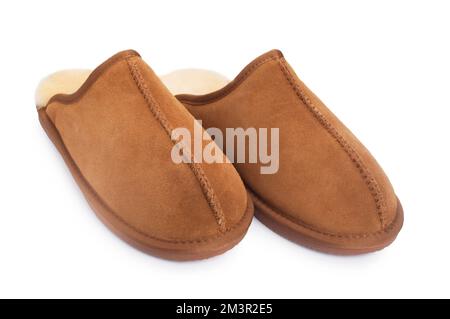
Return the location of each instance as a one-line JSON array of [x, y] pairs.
[[329, 193], [113, 128]]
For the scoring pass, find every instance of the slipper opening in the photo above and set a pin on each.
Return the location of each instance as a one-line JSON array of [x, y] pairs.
[[62, 82], [194, 81]]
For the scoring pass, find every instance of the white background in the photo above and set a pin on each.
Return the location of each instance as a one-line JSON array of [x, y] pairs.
[[382, 66]]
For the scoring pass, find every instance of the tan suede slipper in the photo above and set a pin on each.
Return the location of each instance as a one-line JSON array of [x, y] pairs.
[[113, 128], [329, 192]]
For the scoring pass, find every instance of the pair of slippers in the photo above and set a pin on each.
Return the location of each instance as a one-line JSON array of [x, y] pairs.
[[115, 130]]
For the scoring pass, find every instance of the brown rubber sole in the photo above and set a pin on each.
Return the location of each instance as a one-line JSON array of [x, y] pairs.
[[167, 249], [337, 244]]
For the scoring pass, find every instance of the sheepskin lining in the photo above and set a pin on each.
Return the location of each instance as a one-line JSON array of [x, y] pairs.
[[62, 82], [184, 81], [194, 81]]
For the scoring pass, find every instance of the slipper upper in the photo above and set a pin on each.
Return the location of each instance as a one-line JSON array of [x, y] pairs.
[[327, 180], [117, 129]]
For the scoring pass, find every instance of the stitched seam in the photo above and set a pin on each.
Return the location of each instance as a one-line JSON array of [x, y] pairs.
[[124, 222], [365, 173], [235, 84], [259, 202], [196, 168]]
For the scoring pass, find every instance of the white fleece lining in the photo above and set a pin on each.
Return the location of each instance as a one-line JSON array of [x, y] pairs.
[[194, 81], [184, 81], [62, 82]]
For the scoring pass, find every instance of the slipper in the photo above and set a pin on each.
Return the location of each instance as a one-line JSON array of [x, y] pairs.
[[113, 128], [328, 193]]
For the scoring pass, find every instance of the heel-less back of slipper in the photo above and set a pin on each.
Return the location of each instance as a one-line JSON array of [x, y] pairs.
[[61, 82], [183, 81], [194, 81]]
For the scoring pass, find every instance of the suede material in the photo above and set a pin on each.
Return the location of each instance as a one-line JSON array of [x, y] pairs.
[[123, 151], [223, 177], [327, 180]]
